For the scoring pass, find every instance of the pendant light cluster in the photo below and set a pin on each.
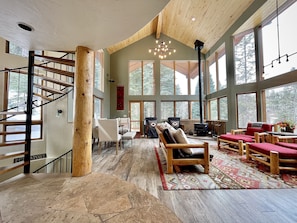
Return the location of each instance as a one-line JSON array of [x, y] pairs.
[[162, 49]]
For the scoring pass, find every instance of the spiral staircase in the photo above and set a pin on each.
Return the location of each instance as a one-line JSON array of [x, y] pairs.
[[49, 78]]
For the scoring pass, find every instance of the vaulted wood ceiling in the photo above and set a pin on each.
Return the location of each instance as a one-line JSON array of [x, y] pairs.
[[213, 19]]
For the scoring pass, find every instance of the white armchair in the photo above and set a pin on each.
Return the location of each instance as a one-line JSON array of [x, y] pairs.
[[108, 131], [124, 124], [95, 133]]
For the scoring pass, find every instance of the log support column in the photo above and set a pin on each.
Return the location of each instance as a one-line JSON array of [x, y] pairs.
[[83, 91]]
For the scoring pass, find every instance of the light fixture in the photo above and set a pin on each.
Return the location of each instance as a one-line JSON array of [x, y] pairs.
[[278, 43], [162, 49], [25, 26], [59, 113]]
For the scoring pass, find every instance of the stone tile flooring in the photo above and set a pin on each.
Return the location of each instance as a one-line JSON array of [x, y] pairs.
[[96, 197]]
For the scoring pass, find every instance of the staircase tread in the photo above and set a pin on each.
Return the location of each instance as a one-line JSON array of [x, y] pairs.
[[57, 81], [58, 60], [52, 90], [5, 169], [54, 70], [13, 143], [12, 154], [12, 133], [43, 97]]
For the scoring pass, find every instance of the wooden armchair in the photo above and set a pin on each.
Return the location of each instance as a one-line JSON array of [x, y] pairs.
[[170, 150]]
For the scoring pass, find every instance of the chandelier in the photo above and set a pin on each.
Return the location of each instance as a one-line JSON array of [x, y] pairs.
[[162, 50]]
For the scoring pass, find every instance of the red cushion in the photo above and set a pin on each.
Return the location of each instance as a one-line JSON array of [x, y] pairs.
[[252, 130], [267, 127], [235, 138], [265, 148], [287, 144]]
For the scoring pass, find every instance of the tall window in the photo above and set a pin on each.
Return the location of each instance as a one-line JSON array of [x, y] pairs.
[[181, 109], [194, 78], [217, 70], [181, 77], [223, 108], [167, 109], [166, 77], [195, 110], [247, 109], [212, 76], [244, 58], [141, 78], [12, 48], [99, 70], [287, 42], [149, 108], [213, 110], [97, 107], [16, 102], [280, 104], [222, 71]]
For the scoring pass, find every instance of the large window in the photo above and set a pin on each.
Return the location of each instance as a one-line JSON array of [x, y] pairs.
[[280, 103], [178, 77], [247, 109], [287, 43], [99, 70], [141, 78], [16, 102], [244, 58], [177, 109]]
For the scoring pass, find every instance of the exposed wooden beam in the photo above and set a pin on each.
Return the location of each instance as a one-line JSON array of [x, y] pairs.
[[159, 26]]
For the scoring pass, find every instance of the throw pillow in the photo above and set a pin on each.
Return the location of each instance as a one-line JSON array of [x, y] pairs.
[[170, 139], [181, 137]]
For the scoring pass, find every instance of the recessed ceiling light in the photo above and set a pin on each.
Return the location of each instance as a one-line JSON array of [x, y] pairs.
[[25, 26], [193, 19]]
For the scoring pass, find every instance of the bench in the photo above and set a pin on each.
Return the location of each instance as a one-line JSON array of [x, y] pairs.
[[274, 156], [128, 136], [238, 138]]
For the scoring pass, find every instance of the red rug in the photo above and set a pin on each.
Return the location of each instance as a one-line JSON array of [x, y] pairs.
[[228, 170]]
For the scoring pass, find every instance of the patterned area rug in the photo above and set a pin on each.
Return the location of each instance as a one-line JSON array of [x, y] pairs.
[[228, 170]]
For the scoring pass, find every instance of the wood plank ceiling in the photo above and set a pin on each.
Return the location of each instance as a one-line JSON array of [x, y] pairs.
[[212, 20]]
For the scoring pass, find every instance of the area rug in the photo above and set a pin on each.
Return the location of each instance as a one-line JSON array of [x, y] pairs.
[[228, 170]]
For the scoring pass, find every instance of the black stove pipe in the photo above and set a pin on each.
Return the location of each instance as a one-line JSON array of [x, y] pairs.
[[199, 46]]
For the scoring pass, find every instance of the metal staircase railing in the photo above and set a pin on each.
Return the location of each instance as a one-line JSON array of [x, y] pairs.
[[49, 79], [62, 164]]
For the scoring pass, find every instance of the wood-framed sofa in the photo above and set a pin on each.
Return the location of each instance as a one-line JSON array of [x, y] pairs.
[[237, 139], [276, 156], [178, 151]]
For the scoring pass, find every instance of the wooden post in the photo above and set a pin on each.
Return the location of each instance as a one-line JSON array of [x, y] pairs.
[[83, 91]]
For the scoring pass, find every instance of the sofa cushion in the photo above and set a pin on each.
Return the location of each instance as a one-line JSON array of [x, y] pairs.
[[170, 139], [235, 138], [265, 148], [287, 144]]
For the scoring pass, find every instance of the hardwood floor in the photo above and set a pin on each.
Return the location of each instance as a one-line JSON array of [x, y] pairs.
[[138, 164]]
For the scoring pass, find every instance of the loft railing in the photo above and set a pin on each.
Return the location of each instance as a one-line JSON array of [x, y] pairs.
[[62, 164]]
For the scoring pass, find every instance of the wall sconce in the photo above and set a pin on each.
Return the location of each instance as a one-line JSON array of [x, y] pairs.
[[109, 79], [59, 113]]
